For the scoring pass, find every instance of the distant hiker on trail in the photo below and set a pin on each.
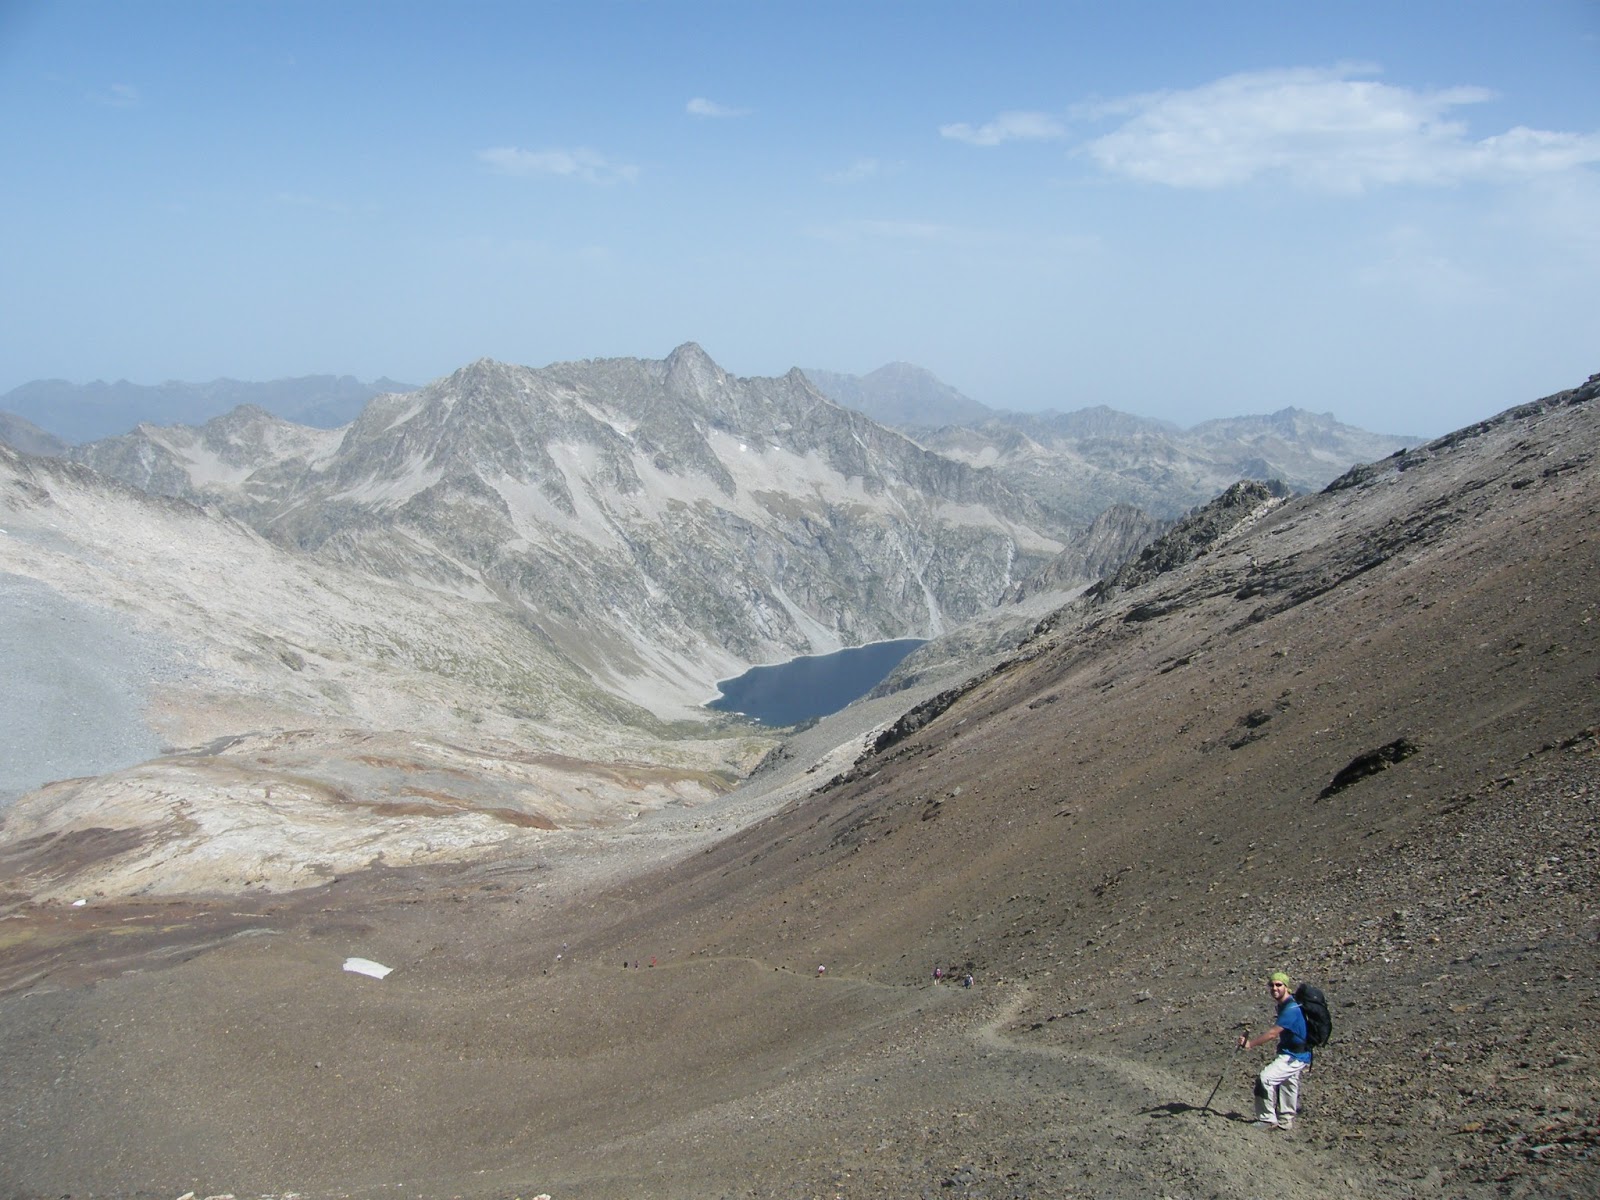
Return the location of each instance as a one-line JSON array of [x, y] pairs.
[[1278, 1086]]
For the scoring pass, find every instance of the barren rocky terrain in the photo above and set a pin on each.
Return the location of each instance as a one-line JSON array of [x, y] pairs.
[[1355, 737]]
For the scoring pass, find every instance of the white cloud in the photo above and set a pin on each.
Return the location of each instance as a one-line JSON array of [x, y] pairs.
[[1007, 127], [1324, 129], [701, 107], [585, 165]]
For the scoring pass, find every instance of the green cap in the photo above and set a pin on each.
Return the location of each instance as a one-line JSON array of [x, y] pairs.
[[1278, 977]]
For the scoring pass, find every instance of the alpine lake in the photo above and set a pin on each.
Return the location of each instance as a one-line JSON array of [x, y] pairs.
[[815, 685]]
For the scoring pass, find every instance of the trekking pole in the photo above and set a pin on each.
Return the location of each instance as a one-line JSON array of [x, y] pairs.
[[1206, 1107]]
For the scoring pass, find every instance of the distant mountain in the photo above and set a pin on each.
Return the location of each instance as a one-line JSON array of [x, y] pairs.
[[661, 523], [901, 396], [84, 412], [1079, 463], [24, 436]]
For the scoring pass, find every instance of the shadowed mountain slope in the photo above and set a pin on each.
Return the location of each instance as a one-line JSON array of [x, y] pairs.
[[1354, 736]]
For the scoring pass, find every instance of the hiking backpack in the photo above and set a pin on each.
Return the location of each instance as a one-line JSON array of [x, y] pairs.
[[1314, 1005]]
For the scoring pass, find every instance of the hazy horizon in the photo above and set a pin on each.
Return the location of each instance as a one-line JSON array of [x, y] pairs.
[[1388, 214]]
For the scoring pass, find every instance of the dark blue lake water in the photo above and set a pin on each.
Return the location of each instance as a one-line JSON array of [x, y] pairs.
[[813, 686]]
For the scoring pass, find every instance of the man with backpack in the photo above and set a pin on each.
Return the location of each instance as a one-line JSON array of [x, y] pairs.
[[1278, 1086]]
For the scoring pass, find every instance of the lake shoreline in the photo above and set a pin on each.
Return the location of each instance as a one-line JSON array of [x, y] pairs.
[[810, 685]]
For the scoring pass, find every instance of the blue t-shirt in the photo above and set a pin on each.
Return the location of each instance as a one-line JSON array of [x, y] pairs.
[[1292, 1041]]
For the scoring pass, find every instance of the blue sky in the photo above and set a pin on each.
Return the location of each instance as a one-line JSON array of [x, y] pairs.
[[1387, 211]]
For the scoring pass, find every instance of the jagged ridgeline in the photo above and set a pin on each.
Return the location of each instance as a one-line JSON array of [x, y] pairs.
[[660, 522]]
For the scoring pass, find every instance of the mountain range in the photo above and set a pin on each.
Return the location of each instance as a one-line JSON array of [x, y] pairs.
[[567, 558], [992, 935], [1075, 464], [1079, 463], [662, 524], [77, 413]]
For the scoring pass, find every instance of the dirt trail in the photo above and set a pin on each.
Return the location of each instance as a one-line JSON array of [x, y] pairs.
[[1125, 1104]]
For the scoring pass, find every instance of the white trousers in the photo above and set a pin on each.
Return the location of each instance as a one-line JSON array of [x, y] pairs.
[[1278, 1090]]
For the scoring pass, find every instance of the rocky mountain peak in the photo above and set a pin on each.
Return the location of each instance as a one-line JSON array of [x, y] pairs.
[[484, 376], [691, 373]]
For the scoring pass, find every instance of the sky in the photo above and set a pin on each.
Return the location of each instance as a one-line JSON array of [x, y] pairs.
[[1389, 212]]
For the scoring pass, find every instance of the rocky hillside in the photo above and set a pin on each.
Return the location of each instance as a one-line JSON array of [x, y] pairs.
[[661, 522], [194, 707], [1353, 736]]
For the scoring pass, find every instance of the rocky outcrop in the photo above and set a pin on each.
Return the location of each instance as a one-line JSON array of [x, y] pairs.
[[1114, 537], [1195, 535]]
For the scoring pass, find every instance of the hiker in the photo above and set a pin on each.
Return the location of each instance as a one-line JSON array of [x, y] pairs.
[[1278, 1086]]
